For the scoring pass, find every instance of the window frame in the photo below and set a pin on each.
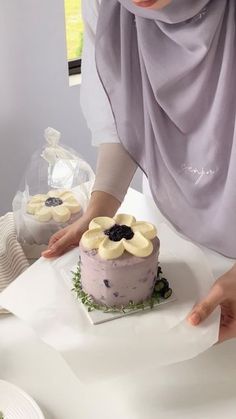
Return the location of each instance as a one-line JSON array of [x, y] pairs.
[[74, 67]]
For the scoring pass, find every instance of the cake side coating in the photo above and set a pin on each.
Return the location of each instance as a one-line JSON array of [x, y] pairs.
[[117, 282]]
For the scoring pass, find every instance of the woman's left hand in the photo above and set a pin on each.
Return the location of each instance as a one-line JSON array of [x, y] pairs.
[[223, 294]]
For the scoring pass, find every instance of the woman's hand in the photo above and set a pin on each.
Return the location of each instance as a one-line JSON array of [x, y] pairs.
[[223, 294], [66, 238], [101, 204]]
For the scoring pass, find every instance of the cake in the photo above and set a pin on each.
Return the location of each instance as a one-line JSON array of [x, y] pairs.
[[119, 260], [57, 205], [43, 215]]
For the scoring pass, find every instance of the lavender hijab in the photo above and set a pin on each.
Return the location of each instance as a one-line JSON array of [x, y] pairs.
[[170, 76]]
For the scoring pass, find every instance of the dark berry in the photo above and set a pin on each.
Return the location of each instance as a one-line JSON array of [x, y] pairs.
[[167, 294], [159, 285], [159, 270], [119, 232], [164, 290], [165, 282], [53, 202], [107, 283]]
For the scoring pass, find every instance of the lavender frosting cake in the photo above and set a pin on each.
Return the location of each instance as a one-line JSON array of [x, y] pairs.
[[119, 259]]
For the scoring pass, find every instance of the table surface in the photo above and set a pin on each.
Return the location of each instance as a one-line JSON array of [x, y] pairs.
[[202, 388]]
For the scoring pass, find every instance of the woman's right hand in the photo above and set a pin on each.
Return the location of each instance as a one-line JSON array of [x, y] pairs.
[[101, 204], [66, 239]]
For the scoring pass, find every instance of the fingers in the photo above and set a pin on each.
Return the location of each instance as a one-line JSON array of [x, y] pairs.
[[58, 248], [227, 333], [65, 239], [202, 310], [62, 245], [56, 237]]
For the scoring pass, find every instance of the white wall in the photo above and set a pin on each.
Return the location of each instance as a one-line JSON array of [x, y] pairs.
[[34, 89]]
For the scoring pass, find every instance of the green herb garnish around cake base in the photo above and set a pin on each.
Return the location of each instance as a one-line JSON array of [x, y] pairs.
[[161, 292], [1, 415]]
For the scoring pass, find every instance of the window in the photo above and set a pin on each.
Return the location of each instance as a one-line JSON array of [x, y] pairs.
[[74, 35]]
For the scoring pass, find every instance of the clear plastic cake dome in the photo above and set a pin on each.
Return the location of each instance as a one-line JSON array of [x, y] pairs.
[[56, 176]]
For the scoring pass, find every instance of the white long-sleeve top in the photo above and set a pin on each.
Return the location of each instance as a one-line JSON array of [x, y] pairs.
[[94, 102], [115, 167]]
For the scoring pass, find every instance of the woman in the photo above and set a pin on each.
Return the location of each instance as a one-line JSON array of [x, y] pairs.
[[161, 95]]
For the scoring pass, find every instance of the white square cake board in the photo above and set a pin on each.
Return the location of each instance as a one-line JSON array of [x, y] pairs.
[[99, 317]]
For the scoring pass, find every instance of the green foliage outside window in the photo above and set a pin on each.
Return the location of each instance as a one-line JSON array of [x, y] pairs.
[[74, 29]]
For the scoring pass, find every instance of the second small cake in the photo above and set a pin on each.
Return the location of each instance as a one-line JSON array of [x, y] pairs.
[[119, 260]]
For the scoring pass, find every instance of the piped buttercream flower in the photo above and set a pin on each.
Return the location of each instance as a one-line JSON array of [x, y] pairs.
[[58, 205], [112, 236]]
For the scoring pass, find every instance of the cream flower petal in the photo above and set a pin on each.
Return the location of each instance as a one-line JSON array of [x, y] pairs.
[[91, 239], [124, 219], [70, 198], [54, 193], [72, 204], [64, 195], [148, 230], [139, 245], [110, 250], [60, 214], [38, 198], [33, 207], [44, 214], [103, 222]]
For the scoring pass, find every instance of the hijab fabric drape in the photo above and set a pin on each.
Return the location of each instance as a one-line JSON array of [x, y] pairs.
[[170, 77]]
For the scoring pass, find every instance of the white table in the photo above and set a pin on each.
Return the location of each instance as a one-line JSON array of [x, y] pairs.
[[202, 388]]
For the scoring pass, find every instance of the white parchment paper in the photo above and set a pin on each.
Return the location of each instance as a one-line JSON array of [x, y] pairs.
[[43, 299]]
